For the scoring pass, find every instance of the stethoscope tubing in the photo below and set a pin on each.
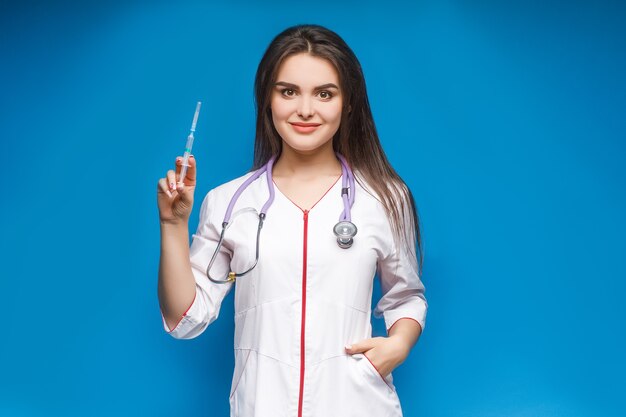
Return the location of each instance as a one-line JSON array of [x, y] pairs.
[[347, 195]]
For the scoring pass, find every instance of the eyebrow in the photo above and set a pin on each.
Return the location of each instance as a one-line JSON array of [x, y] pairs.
[[295, 87]]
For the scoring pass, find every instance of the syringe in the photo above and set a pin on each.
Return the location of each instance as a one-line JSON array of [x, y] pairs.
[[185, 165]]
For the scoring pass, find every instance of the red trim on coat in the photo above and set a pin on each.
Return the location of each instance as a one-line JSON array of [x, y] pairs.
[[184, 314], [374, 366], [411, 318], [302, 327], [304, 267]]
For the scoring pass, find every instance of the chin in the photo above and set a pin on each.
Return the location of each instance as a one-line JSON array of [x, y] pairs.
[[305, 148], [304, 144]]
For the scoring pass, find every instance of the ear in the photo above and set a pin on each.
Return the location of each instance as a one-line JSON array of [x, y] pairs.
[[349, 109]]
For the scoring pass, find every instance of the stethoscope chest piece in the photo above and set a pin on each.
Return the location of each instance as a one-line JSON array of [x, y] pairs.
[[345, 232]]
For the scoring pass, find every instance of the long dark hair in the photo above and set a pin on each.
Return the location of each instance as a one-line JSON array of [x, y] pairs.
[[356, 139]]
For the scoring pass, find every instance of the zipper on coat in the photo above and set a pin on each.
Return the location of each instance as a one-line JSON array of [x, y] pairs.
[[304, 265]]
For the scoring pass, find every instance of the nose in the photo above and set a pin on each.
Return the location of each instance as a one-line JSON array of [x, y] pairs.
[[305, 107]]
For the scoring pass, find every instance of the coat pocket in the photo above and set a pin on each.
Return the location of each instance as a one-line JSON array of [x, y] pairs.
[[241, 360], [372, 374]]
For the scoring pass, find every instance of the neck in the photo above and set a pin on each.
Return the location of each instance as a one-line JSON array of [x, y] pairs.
[[305, 165]]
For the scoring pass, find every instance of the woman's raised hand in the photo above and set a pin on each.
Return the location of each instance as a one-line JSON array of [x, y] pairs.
[[175, 199]]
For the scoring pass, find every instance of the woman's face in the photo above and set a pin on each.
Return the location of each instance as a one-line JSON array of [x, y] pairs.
[[306, 92]]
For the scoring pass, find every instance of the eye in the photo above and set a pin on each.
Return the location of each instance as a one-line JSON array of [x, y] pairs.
[[287, 92], [326, 94]]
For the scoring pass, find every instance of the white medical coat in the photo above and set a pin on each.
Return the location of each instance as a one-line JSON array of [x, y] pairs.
[[303, 302]]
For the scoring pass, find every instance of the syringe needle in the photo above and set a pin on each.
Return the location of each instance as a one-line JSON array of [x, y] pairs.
[[185, 164], [195, 117]]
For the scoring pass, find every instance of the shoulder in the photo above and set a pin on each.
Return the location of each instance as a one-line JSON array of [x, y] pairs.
[[393, 202]]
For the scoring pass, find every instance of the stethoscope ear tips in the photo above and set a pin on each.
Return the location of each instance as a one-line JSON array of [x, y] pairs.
[[345, 232]]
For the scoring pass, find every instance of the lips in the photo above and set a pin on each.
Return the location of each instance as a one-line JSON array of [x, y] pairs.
[[305, 124], [304, 127]]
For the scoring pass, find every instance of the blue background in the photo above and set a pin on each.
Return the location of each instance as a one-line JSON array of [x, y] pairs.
[[506, 119]]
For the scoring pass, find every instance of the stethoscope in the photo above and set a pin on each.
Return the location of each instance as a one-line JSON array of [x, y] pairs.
[[344, 230]]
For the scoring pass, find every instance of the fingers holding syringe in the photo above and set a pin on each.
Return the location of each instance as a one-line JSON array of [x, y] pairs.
[[190, 175]]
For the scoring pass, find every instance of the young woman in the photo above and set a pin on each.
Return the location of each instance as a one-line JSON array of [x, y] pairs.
[[333, 213]]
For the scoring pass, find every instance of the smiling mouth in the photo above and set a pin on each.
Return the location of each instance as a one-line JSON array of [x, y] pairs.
[[305, 124], [304, 127]]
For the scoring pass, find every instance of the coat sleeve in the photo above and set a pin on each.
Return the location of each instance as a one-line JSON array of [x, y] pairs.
[[401, 286], [205, 307]]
